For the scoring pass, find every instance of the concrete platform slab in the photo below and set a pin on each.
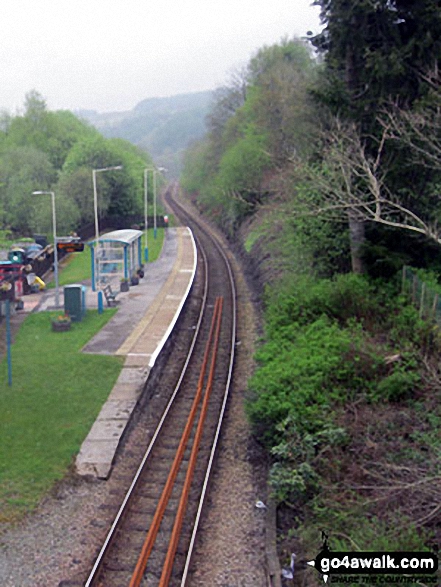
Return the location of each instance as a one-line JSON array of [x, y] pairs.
[[108, 430], [133, 375], [126, 391], [138, 359], [116, 410], [138, 331], [96, 457]]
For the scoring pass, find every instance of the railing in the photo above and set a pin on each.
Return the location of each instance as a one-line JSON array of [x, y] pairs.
[[425, 297]]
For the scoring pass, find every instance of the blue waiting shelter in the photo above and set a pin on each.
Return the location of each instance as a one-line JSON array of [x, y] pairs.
[[115, 256]]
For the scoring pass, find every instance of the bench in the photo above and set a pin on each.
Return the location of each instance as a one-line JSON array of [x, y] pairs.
[[110, 296]]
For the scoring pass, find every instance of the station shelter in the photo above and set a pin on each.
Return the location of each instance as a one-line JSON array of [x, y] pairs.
[[116, 256]]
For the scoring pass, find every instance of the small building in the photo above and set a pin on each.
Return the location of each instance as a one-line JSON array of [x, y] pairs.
[[117, 256]]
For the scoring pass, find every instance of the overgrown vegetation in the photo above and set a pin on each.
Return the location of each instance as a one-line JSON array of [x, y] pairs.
[[340, 172], [346, 399]]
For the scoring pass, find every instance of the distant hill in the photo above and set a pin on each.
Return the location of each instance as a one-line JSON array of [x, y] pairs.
[[162, 126]]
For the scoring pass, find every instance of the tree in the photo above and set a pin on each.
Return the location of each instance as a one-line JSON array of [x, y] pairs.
[[282, 75], [374, 51], [77, 186], [23, 170], [352, 180], [53, 133], [255, 127], [121, 191]]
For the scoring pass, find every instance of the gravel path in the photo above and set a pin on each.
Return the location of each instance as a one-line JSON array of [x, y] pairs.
[[55, 546]]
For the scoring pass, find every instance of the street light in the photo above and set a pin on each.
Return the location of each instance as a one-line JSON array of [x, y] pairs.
[[54, 223], [155, 229], [154, 198], [146, 245], [97, 233]]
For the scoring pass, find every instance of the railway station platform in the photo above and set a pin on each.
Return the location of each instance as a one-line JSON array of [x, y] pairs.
[[139, 330]]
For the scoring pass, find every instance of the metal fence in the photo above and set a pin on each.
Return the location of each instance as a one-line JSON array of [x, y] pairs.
[[425, 298]]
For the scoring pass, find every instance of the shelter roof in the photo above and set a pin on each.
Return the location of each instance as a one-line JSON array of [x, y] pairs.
[[125, 236]]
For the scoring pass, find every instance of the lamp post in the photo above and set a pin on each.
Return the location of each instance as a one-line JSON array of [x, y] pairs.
[[155, 171], [97, 233], [54, 224], [155, 229], [146, 245]]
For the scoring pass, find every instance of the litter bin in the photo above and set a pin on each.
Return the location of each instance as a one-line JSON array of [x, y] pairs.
[[75, 301]]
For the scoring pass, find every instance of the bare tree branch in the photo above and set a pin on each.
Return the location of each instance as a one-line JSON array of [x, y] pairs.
[[351, 181]]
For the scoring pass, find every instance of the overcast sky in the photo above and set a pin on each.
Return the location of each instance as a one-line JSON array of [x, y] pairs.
[[110, 54]]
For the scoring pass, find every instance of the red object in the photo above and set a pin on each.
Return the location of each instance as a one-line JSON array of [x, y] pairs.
[[19, 287], [73, 247]]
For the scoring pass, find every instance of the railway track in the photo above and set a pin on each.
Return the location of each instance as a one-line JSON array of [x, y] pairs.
[[152, 538]]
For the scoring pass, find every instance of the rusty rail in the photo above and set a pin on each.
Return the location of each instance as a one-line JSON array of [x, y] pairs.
[[176, 533], [162, 504]]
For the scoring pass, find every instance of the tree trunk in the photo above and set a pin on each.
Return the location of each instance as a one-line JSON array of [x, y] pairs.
[[356, 239]]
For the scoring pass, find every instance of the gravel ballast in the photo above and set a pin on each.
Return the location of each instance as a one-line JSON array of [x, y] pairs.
[[57, 544]]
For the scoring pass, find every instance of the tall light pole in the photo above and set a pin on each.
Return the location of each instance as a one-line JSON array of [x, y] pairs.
[[54, 224], [97, 233], [155, 229], [155, 171], [146, 245]]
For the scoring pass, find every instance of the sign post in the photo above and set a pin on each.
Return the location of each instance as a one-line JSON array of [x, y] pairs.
[[8, 340]]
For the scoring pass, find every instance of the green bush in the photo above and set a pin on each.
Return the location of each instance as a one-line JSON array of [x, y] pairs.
[[409, 333], [345, 298], [324, 349], [293, 483], [398, 386], [306, 370]]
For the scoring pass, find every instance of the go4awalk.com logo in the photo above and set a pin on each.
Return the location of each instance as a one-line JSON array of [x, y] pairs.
[[376, 568]]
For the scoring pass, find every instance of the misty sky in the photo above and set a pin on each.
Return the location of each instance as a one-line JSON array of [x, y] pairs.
[[108, 55]]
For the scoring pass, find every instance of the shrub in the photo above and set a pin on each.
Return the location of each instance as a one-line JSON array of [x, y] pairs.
[[398, 386], [345, 298], [304, 371], [298, 483]]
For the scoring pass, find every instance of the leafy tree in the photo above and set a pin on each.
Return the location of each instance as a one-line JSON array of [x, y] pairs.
[[23, 170], [255, 127], [282, 76], [375, 49], [134, 161], [395, 42], [95, 152], [120, 191], [55, 151], [196, 171], [78, 187], [53, 133]]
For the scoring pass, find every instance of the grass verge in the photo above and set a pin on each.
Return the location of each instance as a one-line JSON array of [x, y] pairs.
[[56, 395]]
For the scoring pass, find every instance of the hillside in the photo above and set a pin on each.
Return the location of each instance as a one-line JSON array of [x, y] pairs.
[[162, 126], [325, 203]]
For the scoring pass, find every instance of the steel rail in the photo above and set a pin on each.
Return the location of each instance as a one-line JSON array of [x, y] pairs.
[[152, 533], [118, 519], [119, 516], [226, 394], [176, 532]]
